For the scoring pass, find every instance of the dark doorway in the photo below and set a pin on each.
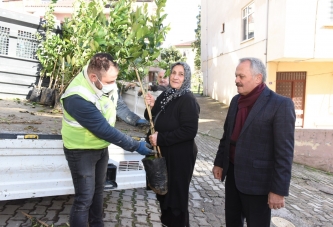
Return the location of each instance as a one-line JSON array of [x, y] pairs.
[[292, 85]]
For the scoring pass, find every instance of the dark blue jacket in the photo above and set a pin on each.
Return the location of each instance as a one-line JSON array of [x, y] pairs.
[[265, 146]]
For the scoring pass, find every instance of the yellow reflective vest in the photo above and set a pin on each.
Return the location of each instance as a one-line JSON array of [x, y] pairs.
[[74, 135]]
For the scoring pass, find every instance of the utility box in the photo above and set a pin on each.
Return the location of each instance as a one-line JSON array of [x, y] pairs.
[[111, 174]]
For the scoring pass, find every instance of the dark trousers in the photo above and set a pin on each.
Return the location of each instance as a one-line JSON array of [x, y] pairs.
[[170, 218], [253, 208], [88, 169]]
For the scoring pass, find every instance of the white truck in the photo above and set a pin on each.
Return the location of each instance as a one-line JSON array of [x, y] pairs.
[[32, 162]]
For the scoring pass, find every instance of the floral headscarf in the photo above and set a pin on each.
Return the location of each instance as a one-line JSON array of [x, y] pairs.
[[173, 93]]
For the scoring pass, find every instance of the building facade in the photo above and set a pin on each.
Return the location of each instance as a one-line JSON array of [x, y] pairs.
[[295, 43], [294, 39], [186, 49]]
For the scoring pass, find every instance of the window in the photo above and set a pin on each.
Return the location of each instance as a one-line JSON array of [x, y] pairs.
[[27, 45], [248, 22], [4, 40], [330, 7], [326, 12]]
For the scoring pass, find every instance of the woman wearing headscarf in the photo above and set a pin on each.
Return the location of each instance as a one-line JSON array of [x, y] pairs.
[[176, 116]]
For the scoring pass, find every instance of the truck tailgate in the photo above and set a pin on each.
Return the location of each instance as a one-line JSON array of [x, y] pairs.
[[38, 167]]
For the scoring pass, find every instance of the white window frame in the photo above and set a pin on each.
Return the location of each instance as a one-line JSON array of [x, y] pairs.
[[326, 13], [330, 12], [247, 12]]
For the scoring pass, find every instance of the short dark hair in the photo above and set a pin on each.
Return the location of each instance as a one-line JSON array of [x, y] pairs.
[[101, 62]]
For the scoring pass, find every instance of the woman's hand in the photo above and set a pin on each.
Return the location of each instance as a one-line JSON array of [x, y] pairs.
[[153, 139], [150, 99]]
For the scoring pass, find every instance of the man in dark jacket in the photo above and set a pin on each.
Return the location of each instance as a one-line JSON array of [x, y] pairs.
[[256, 150], [162, 83], [128, 116]]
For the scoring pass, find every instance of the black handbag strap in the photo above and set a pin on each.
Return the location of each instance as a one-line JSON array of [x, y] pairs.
[[156, 117]]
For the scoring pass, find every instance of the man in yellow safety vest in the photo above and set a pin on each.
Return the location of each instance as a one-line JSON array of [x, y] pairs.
[[89, 114]]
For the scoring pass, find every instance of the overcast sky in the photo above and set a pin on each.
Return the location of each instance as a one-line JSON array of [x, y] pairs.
[[182, 19]]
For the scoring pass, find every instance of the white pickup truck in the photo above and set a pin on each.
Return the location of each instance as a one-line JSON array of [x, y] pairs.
[[32, 162]]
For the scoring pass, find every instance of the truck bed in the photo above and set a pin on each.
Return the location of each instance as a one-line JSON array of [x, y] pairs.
[[32, 162], [22, 116]]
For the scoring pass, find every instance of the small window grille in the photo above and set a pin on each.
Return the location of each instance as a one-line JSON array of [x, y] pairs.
[[4, 40], [27, 45], [130, 166]]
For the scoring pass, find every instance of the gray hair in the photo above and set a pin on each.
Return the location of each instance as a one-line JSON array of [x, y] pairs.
[[160, 71], [257, 67]]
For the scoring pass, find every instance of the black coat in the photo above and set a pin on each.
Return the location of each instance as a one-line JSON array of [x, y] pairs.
[[177, 128]]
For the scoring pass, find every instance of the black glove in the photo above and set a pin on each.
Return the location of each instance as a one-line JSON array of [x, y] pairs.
[[143, 149]]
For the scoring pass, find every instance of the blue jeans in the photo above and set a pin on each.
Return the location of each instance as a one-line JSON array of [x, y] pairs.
[[88, 169]]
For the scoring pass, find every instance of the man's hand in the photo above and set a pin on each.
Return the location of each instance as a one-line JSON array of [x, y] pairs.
[[217, 171], [144, 150], [275, 201]]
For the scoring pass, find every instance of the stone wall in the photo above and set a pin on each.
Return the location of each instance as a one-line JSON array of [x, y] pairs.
[[314, 148]]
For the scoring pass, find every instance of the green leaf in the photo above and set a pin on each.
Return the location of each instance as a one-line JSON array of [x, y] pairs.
[[154, 56], [96, 44], [92, 45], [73, 60], [134, 49], [124, 34], [68, 58], [144, 53], [137, 54], [99, 41], [139, 33]]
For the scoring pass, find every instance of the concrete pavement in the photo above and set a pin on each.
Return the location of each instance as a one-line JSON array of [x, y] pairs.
[[310, 202]]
